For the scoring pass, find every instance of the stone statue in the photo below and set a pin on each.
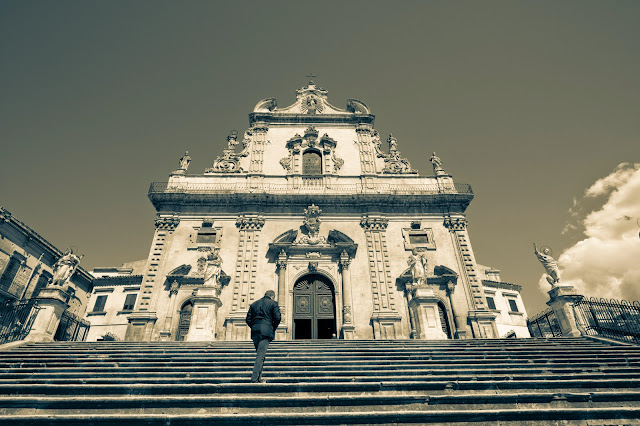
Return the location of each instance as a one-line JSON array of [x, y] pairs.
[[549, 263], [213, 268], [184, 161], [418, 264], [65, 267], [437, 164]]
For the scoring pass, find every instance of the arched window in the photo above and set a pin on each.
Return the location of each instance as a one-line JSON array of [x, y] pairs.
[[311, 163]]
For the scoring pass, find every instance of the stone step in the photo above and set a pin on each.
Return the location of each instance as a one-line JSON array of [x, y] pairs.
[[297, 385], [295, 403], [304, 376], [450, 417], [50, 373]]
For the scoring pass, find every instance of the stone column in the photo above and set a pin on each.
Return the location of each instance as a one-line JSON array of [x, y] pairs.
[[561, 300], [206, 302], [165, 334], [281, 265], [53, 301], [348, 329]]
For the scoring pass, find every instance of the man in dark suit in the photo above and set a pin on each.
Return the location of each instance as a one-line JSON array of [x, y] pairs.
[[263, 318]]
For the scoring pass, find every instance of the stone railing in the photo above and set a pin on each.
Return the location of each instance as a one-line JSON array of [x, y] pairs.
[[315, 188]]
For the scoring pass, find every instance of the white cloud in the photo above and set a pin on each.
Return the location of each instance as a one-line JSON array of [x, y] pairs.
[[607, 262]]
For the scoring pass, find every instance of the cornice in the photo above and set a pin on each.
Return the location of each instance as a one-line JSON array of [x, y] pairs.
[[502, 285], [118, 280]]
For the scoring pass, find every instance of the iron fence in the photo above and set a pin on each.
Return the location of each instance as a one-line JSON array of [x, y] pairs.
[[615, 319], [545, 324], [16, 320], [71, 328]]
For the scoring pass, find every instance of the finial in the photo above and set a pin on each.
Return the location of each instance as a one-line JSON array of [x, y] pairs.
[[310, 76]]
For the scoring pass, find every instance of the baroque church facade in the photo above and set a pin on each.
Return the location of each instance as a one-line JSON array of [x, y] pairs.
[[355, 243]]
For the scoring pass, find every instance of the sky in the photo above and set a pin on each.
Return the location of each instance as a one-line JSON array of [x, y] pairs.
[[535, 104]]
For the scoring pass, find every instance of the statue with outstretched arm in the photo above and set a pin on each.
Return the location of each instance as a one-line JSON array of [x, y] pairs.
[[549, 263]]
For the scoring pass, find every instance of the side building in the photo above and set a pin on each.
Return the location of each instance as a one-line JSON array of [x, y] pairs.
[[27, 266]]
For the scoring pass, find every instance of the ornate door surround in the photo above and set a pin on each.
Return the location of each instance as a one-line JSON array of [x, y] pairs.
[[314, 308]]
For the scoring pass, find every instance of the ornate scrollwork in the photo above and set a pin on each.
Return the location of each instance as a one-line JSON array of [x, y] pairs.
[[393, 162], [457, 224], [298, 143], [312, 225], [346, 314], [230, 160], [374, 223], [168, 222], [250, 223]]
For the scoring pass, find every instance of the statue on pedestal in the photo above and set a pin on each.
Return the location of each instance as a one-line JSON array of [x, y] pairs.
[[65, 267], [184, 161], [418, 264], [437, 165], [213, 269], [549, 263]]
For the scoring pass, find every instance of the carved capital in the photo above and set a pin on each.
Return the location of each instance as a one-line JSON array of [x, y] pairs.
[[259, 128], [455, 224], [374, 223], [281, 263], [247, 223], [345, 260], [168, 222], [174, 288]]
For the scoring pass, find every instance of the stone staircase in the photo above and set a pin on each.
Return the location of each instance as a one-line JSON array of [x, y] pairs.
[[501, 381]]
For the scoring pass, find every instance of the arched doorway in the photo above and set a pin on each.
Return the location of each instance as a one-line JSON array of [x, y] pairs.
[[185, 321], [314, 308]]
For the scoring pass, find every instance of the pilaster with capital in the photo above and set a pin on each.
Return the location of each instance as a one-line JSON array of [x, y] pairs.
[[481, 319], [245, 279], [385, 318], [348, 329], [142, 320], [281, 267], [165, 334]]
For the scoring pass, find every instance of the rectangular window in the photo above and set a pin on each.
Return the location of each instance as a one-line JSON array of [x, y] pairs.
[[206, 236], [100, 302], [44, 279], [491, 303], [418, 239], [129, 302], [9, 274], [513, 305]]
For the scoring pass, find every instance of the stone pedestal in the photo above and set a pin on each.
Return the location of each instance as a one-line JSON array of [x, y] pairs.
[[423, 308], [561, 300], [140, 326], [283, 329], [52, 302], [483, 324], [204, 316], [387, 326]]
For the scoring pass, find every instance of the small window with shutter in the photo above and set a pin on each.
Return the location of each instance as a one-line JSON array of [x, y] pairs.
[[129, 302], [100, 302]]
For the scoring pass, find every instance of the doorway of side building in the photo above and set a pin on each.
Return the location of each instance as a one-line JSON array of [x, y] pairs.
[[314, 308], [185, 321]]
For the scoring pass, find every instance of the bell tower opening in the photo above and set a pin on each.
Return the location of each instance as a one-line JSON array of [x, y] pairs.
[[314, 314]]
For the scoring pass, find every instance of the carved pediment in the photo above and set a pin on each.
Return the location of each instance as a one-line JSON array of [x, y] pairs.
[[180, 271]]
